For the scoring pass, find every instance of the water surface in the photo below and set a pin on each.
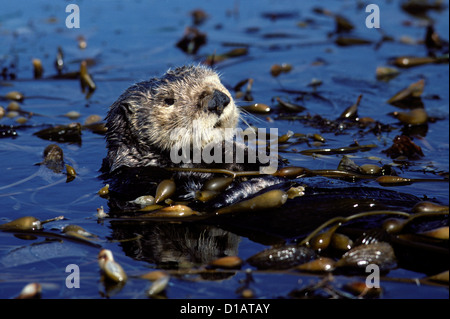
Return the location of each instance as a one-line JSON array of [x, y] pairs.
[[135, 40]]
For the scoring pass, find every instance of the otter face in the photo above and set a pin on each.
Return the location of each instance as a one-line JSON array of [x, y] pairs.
[[188, 106]]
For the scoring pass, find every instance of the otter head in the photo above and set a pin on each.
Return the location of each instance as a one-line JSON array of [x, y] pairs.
[[187, 107]]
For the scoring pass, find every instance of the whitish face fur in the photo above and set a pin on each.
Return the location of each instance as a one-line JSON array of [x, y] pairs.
[[149, 116]]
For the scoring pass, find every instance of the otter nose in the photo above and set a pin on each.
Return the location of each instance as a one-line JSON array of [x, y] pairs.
[[218, 102]]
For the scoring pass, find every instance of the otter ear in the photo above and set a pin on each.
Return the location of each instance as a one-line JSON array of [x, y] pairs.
[[126, 107], [117, 111]]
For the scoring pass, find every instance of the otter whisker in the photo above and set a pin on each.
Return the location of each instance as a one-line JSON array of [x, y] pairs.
[[248, 114], [247, 124]]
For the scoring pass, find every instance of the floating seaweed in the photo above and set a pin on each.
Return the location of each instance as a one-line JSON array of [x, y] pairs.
[[380, 254], [403, 146], [410, 95], [432, 39], [384, 73], [23, 223], [291, 172], [438, 233], [169, 212], [398, 181], [282, 257], [321, 264], [346, 164], [38, 70], [86, 81], [110, 268], [228, 262], [285, 137], [259, 108], [413, 117], [71, 174], [279, 15], [352, 111], [429, 207], [290, 107], [321, 241], [268, 200], [343, 24], [340, 150], [440, 277], [59, 61], [191, 41], [349, 41], [145, 200], [8, 131], [73, 115], [104, 191], [199, 16], [413, 61], [154, 275], [215, 58], [277, 69], [158, 286], [205, 195], [420, 8], [82, 43], [247, 94], [165, 189], [70, 133], [31, 291], [341, 242], [217, 184], [13, 96], [362, 290], [27, 223], [101, 213], [78, 231], [315, 83]]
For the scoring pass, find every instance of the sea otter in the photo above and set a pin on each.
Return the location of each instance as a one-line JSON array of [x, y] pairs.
[[140, 137], [187, 108]]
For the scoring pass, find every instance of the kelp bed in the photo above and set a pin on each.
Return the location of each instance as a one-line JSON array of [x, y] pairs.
[[362, 116]]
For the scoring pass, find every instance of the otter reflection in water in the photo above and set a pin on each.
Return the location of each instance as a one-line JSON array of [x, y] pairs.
[[139, 141], [174, 245]]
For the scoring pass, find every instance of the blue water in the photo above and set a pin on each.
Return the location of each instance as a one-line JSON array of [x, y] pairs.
[[135, 40]]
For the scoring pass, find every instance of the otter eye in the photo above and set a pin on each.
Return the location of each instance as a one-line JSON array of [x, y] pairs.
[[169, 101]]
